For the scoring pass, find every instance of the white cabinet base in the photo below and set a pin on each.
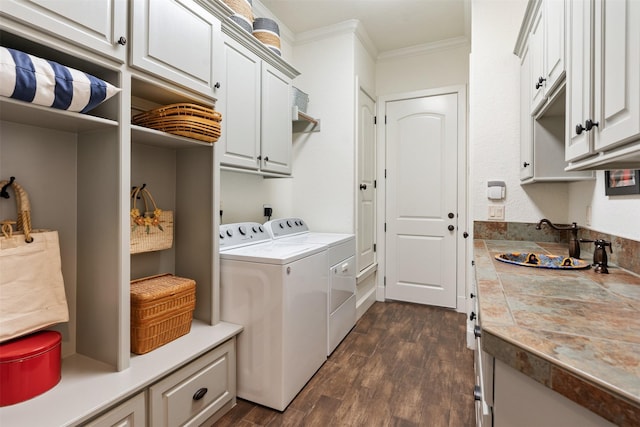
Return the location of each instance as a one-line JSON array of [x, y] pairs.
[[521, 401]]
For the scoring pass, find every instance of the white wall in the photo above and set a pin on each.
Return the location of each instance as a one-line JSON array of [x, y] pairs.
[[324, 162], [494, 125], [426, 68]]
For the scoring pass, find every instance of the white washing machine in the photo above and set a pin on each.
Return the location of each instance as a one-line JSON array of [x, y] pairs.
[[278, 292], [341, 286]]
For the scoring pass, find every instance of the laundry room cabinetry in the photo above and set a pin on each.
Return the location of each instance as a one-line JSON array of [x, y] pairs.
[[78, 170], [177, 41], [547, 51], [99, 25], [255, 101], [541, 49], [603, 85]]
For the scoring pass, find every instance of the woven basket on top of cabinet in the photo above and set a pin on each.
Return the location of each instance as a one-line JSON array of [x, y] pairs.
[[161, 310]]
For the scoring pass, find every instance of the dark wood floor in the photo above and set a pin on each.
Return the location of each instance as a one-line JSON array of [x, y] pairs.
[[402, 365]]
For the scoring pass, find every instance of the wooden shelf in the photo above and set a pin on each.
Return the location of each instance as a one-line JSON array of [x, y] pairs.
[[302, 122]]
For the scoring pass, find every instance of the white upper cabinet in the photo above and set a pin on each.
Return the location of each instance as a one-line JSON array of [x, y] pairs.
[[255, 101], [176, 40], [547, 50], [98, 25], [239, 103], [603, 84], [276, 131], [526, 132]]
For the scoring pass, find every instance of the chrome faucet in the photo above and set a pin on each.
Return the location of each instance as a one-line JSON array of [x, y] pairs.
[[574, 243]]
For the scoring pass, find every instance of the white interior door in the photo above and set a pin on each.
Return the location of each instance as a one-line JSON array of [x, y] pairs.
[[421, 199], [366, 181]]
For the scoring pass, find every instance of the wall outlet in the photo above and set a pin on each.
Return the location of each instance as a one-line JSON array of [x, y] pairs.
[[268, 211]]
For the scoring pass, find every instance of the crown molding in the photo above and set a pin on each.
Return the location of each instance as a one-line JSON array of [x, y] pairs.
[[426, 48]]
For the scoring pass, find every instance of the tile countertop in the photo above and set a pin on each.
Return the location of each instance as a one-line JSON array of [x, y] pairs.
[[577, 332]]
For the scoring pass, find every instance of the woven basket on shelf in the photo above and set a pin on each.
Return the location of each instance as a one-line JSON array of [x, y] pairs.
[[188, 120], [161, 310]]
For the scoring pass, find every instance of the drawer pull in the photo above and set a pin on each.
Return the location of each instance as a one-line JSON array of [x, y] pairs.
[[200, 393]]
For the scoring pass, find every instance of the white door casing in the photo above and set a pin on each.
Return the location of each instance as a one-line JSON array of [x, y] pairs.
[[366, 181], [422, 137]]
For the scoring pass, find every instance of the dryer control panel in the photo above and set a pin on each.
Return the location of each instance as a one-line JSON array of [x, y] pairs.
[[284, 227], [242, 234]]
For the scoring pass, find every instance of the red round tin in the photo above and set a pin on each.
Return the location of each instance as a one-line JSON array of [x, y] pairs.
[[29, 366]]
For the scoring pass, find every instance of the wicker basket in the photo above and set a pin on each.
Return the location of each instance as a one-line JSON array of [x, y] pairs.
[[188, 120], [161, 310]]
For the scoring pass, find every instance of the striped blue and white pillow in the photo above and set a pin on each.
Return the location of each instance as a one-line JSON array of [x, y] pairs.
[[32, 79]]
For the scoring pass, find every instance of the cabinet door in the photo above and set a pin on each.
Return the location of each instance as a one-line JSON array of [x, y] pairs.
[[579, 78], [276, 135], [131, 413], [554, 44], [536, 51], [174, 39], [526, 132], [96, 25], [239, 103], [617, 72]]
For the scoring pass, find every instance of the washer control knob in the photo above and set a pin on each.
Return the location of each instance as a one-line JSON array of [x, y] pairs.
[[229, 232], [281, 225], [261, 228], [221, 235], [288, 223], [243, 230]]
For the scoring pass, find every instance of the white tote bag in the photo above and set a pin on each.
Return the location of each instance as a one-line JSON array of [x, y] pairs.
[[32, 293]]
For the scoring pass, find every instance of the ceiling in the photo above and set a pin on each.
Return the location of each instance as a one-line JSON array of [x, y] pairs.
[[390, 24]]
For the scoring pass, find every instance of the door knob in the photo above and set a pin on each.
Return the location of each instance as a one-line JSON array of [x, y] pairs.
[[450, 215], [363, 186], [451, 227], [579, 128], [122, 41]]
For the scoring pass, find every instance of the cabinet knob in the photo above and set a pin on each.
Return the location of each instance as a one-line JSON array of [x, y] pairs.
[[200, 393], [266, 158], [217, 85], [589, 124], [477, 393], [579, 128], [259, 157], [451, 228], [465, 234], [472, 316], [363, 186], [525, 164], [122, 41], [539, 83], [477, 331]]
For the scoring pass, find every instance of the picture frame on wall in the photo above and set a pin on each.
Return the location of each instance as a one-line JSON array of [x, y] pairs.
[[619, 182]]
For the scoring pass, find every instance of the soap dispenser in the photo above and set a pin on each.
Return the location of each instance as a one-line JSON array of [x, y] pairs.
[[600, 255]]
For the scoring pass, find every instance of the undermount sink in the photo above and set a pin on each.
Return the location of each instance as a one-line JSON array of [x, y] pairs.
[[529, 259]]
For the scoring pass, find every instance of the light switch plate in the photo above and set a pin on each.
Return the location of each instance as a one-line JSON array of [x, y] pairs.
[[496, 212]]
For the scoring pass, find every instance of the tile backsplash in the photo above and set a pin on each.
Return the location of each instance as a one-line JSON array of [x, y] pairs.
[[626, 252]]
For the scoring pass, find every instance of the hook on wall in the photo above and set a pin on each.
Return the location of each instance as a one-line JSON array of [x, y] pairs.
[[4, 193], [141, 188]]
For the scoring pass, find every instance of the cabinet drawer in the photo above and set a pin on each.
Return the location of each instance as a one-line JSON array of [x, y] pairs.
[[194, 393], [131, 413]]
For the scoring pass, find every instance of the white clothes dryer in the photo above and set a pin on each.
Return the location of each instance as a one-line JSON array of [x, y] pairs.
[[341, 286], [277, 291]]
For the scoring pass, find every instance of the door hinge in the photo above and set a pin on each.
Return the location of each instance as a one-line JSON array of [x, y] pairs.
[[385, 227], [375, 120], [384, 281], [375, 183], [374, 247], [385, 173], [385, 120]]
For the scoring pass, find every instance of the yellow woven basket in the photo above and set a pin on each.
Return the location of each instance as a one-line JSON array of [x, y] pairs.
[[161, 310]]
